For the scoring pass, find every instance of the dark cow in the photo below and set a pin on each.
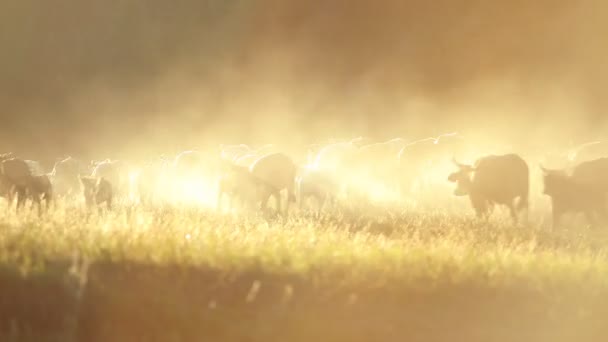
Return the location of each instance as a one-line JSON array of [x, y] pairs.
[[583, 191], [16, 179], [272, 174], [41, 188], [23, 179], [116, 173], [495, 179], [65, 176], [97, 191]]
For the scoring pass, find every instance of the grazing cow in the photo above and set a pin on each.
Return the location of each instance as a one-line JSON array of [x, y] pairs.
[[316, 184], [36, 168], [115, 172], [4, 184], [65, 176], [236, 184], [23, 179], [97, 191], [272, 174], [17, 178], [495, 179], [41, 188], [585, 190]]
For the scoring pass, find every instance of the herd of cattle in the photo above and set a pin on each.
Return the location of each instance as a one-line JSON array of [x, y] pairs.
[[240, 177]]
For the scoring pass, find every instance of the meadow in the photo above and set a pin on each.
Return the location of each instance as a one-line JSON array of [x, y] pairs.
[[171, 273]]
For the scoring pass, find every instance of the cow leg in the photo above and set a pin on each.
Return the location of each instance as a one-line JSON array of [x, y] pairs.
[[49, 201], [265, 198], [10, 198], [277, 196], [513, 212], [21, 193], [37, 203], [556, 215]]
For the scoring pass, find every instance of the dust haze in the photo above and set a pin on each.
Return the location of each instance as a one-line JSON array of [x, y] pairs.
[[119, 78]]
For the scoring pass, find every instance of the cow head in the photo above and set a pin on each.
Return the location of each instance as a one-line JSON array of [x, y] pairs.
[[553, 180], [462, 178]]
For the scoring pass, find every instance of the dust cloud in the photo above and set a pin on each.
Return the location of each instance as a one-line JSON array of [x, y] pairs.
[[120, 78]]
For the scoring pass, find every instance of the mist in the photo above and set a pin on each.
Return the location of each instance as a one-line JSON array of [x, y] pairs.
[[126, 77]]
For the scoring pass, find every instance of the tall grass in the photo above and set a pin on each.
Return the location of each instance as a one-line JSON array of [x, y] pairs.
[[187, 274]]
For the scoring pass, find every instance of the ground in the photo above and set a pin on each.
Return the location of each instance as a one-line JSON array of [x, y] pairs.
[[399, 274]]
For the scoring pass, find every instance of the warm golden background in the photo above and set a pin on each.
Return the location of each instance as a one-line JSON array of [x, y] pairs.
[[118, 77]]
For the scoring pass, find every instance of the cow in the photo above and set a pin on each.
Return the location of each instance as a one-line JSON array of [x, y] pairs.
[[36, 168], [237, 185], [318, 185], [494, 179], [97, 191], [115, 172], [16, 179], [23, 179], [585, 190], [272, 174], [41, 188], [65, 176]]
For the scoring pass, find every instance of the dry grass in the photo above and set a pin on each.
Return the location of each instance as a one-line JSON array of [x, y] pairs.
[[178, 274]]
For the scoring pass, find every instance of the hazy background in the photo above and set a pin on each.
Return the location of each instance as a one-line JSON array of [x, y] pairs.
[[115, 77]]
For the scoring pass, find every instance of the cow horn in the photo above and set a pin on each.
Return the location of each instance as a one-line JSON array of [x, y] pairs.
[[458, 163]]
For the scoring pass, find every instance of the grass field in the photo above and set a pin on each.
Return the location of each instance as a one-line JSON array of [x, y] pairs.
[[170, 274]]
